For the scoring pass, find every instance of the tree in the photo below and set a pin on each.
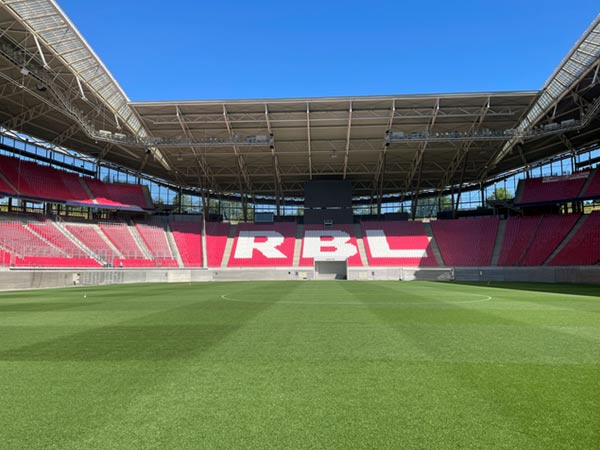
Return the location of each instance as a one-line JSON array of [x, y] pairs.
[[500, 194], [429, 206]]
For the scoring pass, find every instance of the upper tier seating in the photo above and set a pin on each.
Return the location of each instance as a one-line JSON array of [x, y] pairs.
[[584, 246], [466, 242], [338, 242], [5, 188], [553, 189], [39, 182], [263, 245], [592, 190], [402, 243], [127, 196]]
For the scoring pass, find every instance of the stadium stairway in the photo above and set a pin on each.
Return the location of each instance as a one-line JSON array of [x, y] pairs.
[[138, 240], [433, 244], [108, 242], [42, 238], [71, 237], [8, 183], [88, 191], [229, 246], [362, 251], [173, 245], [499, 242], [298, 244], [567, 238], [587, 183]]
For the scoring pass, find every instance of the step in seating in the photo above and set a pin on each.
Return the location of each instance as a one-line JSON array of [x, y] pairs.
[[154, 236], [584, 246], [466, 242], [188, 237], [551, 232], [216, 239], [519, 233], [89, 235], [263, 245], [592, 190], [119, 235], [23, 248], [397, 243]]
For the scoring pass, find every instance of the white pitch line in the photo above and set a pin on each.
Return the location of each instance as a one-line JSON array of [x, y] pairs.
[[487, 298]]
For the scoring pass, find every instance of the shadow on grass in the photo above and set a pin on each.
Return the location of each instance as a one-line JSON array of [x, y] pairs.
[[554, 288], [41, 306]]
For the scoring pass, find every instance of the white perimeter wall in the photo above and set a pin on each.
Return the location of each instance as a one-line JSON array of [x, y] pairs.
[[32, 279]]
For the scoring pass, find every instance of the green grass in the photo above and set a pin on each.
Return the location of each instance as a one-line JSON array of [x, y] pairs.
[[301, 365]]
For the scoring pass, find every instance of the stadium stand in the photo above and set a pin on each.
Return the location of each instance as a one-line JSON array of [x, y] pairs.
[[551, 232], [5, 187], [397, 243], [216, 239], [31, 244], [90, 235], [154, 236], [263, 245], [338, 242], [39, 182], [466, 242], [519, 233], [584, 246], [553, 189], [119, 196], [188, 237], [121, 237], [592, 189]]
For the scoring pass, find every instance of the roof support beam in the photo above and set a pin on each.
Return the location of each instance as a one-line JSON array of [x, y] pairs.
[[348, 133], [240, 158], [200, 159], [16, 122], [278, 193], [417, 162], [309, 141], [384, 147], [463, 150]]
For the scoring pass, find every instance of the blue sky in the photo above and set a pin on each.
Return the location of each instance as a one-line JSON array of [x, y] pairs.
[[188, 50]]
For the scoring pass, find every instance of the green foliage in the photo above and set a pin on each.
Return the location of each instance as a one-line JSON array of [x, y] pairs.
[[301, 365], [429, 207], [500, 194]]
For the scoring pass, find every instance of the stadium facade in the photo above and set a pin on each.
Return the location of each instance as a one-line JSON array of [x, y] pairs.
[[492, 185]]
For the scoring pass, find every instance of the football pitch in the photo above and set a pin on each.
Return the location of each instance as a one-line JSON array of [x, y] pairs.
[[301, 365]]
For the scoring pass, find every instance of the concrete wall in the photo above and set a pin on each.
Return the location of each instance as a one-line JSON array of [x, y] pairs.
[[37, 279]]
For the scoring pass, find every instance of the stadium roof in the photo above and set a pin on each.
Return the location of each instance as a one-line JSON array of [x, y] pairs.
[[54, 87]]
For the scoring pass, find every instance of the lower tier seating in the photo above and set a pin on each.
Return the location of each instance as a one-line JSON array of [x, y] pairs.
[[466, 242], [397, 243], [518, 236], [584, 246], [263, 245], [551, 232], [338, 242]]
